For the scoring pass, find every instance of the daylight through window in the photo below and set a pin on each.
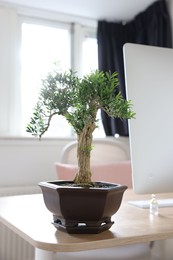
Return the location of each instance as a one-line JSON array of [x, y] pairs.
[[42, 45]]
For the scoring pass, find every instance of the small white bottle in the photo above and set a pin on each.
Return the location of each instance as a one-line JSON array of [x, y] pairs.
[[154, 209]]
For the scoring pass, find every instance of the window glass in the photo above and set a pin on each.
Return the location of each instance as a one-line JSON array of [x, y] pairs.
[[90, 55], [41, 47]]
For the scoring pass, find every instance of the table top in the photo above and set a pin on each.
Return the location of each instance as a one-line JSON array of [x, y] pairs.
[[27, 216]]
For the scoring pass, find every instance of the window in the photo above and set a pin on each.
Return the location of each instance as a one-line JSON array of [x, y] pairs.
[[90, 56], [42, 45]]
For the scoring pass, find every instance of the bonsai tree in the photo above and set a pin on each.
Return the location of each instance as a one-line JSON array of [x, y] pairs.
[[78, 100]]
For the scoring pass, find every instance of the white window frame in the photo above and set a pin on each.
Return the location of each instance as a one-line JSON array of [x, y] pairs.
[[10, 84]]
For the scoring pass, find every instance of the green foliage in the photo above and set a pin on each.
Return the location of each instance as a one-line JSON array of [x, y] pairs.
[[78, 100]]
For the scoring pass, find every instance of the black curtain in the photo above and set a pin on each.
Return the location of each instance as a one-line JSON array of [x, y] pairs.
[[151, 27]]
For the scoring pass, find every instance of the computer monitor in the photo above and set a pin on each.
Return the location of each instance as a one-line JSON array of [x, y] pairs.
[[149, 84]]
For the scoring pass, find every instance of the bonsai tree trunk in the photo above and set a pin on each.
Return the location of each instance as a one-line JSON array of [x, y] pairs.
[[84, 148]]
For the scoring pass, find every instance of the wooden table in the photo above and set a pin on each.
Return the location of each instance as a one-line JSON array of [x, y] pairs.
[[27, 216]]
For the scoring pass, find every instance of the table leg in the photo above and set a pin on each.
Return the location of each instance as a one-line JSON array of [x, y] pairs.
[[43, 254]]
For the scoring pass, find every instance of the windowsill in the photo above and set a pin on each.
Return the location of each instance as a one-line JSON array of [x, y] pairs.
[[35, 138], [25, 140], [16, 140]]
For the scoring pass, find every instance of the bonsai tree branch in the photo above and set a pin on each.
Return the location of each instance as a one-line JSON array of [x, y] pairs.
[[78, 100]]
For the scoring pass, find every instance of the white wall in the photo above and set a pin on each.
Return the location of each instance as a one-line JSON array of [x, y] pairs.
[[28, 161], [8, 79]]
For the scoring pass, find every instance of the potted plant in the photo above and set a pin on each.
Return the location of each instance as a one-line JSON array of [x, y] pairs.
[[78, 100]]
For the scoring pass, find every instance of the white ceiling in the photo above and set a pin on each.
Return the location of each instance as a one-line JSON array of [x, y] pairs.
[[116, 10]]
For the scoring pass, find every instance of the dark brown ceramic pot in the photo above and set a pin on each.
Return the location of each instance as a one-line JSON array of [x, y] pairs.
[[82, 209]]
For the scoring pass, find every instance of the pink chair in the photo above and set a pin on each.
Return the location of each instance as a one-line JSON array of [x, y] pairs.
[[117, 172]]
